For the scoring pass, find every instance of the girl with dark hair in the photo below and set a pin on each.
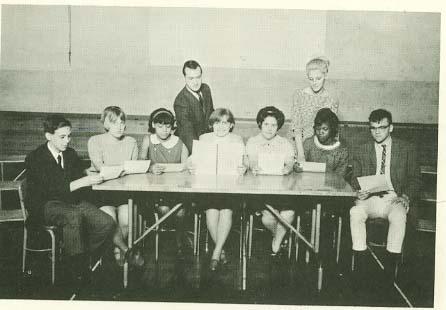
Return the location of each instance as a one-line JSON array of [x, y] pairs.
[[270, 120], [324, 146], [162, 147]]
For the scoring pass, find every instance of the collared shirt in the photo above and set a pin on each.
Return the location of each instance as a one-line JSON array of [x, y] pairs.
[[379, 153], [55, 153], [194, 93], [279, 145]]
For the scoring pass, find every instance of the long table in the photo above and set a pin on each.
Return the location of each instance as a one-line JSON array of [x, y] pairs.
[[320, 186]]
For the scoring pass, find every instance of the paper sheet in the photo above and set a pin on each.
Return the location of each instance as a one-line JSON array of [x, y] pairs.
[[172, 167], [229, 158], [111, 172], [271, 163], [374, 183], [312, 166], [136, 166], [205, 157]]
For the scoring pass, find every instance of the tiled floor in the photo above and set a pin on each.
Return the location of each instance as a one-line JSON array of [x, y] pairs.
[[188, 279]]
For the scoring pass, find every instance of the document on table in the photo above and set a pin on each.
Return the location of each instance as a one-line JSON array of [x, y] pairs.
[[172, 167], [111, 172], [204, 157], [374, 183], [271, 163], [136, 166], [312, 166], [229, 158]]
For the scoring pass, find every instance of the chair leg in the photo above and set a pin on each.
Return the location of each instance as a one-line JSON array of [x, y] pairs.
[[297, 238], [290, 243], [251, 224], [353, 262], [195, 232], [25, 244], [206, 243], [338, 244], [53, 256]]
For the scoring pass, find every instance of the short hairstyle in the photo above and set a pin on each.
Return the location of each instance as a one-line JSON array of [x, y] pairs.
[[327, 116], [112, 114], [218, 114], [191, 64], [53, 122], [161, 116], [270, 111], [380, 114], [318, 63]]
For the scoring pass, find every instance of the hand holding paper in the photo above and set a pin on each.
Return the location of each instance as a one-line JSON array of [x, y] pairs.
[[136, 166], [373, 183], [110, 172]]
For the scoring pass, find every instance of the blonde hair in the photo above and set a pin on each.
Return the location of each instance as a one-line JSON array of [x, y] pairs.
[[319, 63], [110, 115]]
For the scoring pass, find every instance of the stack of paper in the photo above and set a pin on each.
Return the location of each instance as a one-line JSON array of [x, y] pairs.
[[136, 166], [374, 183], [313, 166], [205, 157], [221, 158], [229, 158], [271, 163]]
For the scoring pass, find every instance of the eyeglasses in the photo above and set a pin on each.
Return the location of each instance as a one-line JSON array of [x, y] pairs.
[[380, 128]]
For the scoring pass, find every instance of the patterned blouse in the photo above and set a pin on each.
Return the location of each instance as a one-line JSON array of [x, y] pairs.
[[304, 109]]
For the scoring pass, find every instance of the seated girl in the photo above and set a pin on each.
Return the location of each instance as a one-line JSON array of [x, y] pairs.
[[324, 147], [162, 147], [219, 215], [270, 120], [108, 149]]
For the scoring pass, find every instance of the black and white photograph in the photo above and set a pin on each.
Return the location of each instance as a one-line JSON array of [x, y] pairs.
[[240, 154]]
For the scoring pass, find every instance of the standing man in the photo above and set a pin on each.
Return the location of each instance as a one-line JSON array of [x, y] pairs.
[[193, 105], [397, 160]]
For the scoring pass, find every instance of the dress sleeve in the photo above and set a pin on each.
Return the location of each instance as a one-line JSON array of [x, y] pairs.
[[135, 150], [95, 153], [341, 165]]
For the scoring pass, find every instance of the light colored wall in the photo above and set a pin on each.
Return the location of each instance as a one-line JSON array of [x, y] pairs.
[[132, 57]]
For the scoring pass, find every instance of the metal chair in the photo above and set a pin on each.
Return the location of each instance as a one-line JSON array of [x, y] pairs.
[[37, 245], [377, 229]]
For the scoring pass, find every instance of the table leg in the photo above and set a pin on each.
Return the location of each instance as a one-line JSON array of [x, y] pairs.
[[338, 245], [3, 178], [244, 239], [313, 228]]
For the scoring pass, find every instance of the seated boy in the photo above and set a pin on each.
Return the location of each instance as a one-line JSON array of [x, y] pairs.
[[55, 176]]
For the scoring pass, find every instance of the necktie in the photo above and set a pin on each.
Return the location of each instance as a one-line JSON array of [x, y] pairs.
[[59, 161], [201, 99], [383, 160]]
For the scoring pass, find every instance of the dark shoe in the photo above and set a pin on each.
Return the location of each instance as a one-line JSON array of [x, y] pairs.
[[213, 265], [134, 257]]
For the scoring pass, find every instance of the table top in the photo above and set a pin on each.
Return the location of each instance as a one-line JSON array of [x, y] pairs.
[[304, 184]]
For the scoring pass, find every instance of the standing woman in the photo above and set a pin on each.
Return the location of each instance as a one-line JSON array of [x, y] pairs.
[[307, 101]]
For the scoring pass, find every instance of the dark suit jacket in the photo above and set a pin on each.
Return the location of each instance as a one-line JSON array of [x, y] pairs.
[[404, 167], [191, 120], [47, 181]]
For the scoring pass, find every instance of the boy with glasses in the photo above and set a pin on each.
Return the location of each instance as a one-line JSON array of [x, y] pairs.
[[397, 161]]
